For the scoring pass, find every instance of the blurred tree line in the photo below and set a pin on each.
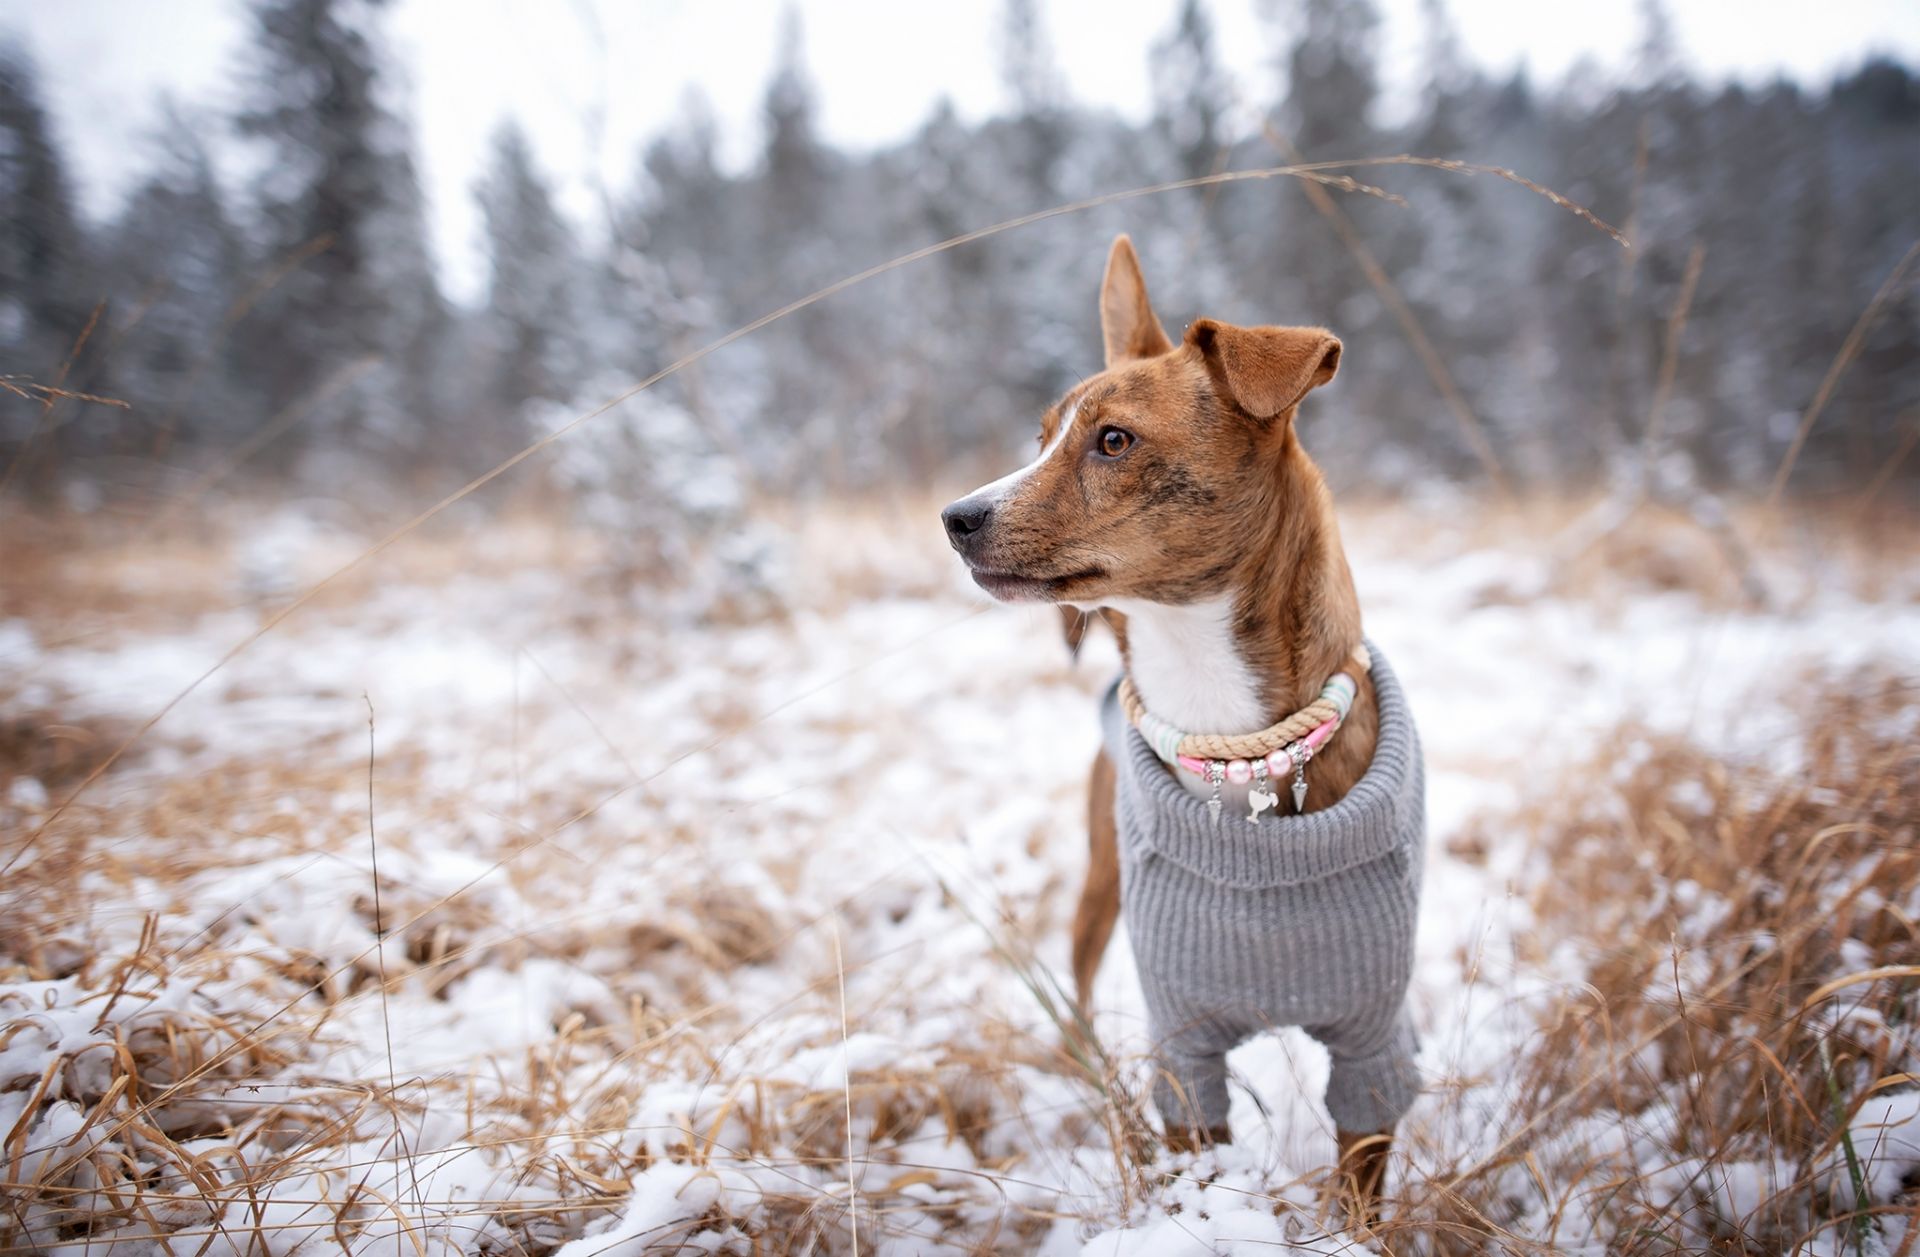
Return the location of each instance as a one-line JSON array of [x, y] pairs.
[[296, 323]]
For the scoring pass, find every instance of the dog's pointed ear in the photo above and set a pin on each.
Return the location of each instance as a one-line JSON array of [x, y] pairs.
[[1266, 370], [1126, 318]]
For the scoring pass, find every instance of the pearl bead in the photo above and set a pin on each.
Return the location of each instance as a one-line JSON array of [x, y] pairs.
[[1239, 772], [1279, 764]]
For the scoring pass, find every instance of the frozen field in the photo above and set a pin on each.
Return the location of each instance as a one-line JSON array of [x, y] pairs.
[[476, 908]]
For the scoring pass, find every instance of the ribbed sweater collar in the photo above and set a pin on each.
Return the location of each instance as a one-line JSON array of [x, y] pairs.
[[1374, 819]]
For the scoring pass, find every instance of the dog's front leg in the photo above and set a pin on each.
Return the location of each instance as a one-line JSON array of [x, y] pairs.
[[1100, 897]]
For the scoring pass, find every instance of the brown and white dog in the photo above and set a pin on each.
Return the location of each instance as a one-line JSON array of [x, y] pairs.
[[1172, 493]]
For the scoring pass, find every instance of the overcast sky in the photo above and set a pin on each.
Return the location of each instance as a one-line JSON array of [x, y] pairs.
[[878, 65]]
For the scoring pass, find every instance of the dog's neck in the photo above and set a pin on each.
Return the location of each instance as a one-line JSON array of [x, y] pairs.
[[1244, 659], [1187, 664]]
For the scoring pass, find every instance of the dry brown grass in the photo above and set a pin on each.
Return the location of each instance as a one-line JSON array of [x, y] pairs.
[[52, 748], [1746, 950], [1692, 1041], [68, 571], [1748, 956], [186, 1115]]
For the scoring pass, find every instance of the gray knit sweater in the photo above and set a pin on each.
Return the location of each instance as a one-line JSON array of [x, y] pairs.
[[1293, 921]]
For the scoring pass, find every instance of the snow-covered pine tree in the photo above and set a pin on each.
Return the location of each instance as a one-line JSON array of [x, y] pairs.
[[48, 285], [1191, 94], [538, 313], [337, 186], [180, 265]]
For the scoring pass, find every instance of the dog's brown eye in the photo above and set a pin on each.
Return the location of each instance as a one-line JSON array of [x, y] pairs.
[[1114, 441]]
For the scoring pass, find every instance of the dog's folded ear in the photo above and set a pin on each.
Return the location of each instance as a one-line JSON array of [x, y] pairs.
[[1266, 370], [1127, 322]]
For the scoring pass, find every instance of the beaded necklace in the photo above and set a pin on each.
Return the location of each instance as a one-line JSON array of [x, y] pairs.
[[1259, 758]]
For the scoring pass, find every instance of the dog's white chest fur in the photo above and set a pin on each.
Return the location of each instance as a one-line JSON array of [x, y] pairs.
[[1189, 670]]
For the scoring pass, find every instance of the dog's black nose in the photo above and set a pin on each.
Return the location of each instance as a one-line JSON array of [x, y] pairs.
[[965, 518]]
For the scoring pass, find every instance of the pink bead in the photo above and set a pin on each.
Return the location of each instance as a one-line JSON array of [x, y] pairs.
[[1279, 764], [1239, 771]]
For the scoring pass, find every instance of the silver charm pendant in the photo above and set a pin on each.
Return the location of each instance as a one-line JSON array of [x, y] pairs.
[[1216, 773], [1301, 754], [1259, 797]]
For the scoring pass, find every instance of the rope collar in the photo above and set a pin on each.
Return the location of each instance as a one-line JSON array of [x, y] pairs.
[[1257, 758]]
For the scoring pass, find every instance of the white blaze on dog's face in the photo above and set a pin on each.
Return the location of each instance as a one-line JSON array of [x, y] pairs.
[[1156, 476]]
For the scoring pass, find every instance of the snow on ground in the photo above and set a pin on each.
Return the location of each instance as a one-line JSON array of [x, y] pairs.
[[724, 912]]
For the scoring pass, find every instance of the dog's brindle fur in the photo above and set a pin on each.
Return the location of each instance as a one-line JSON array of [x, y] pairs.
[[1212, 498]]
